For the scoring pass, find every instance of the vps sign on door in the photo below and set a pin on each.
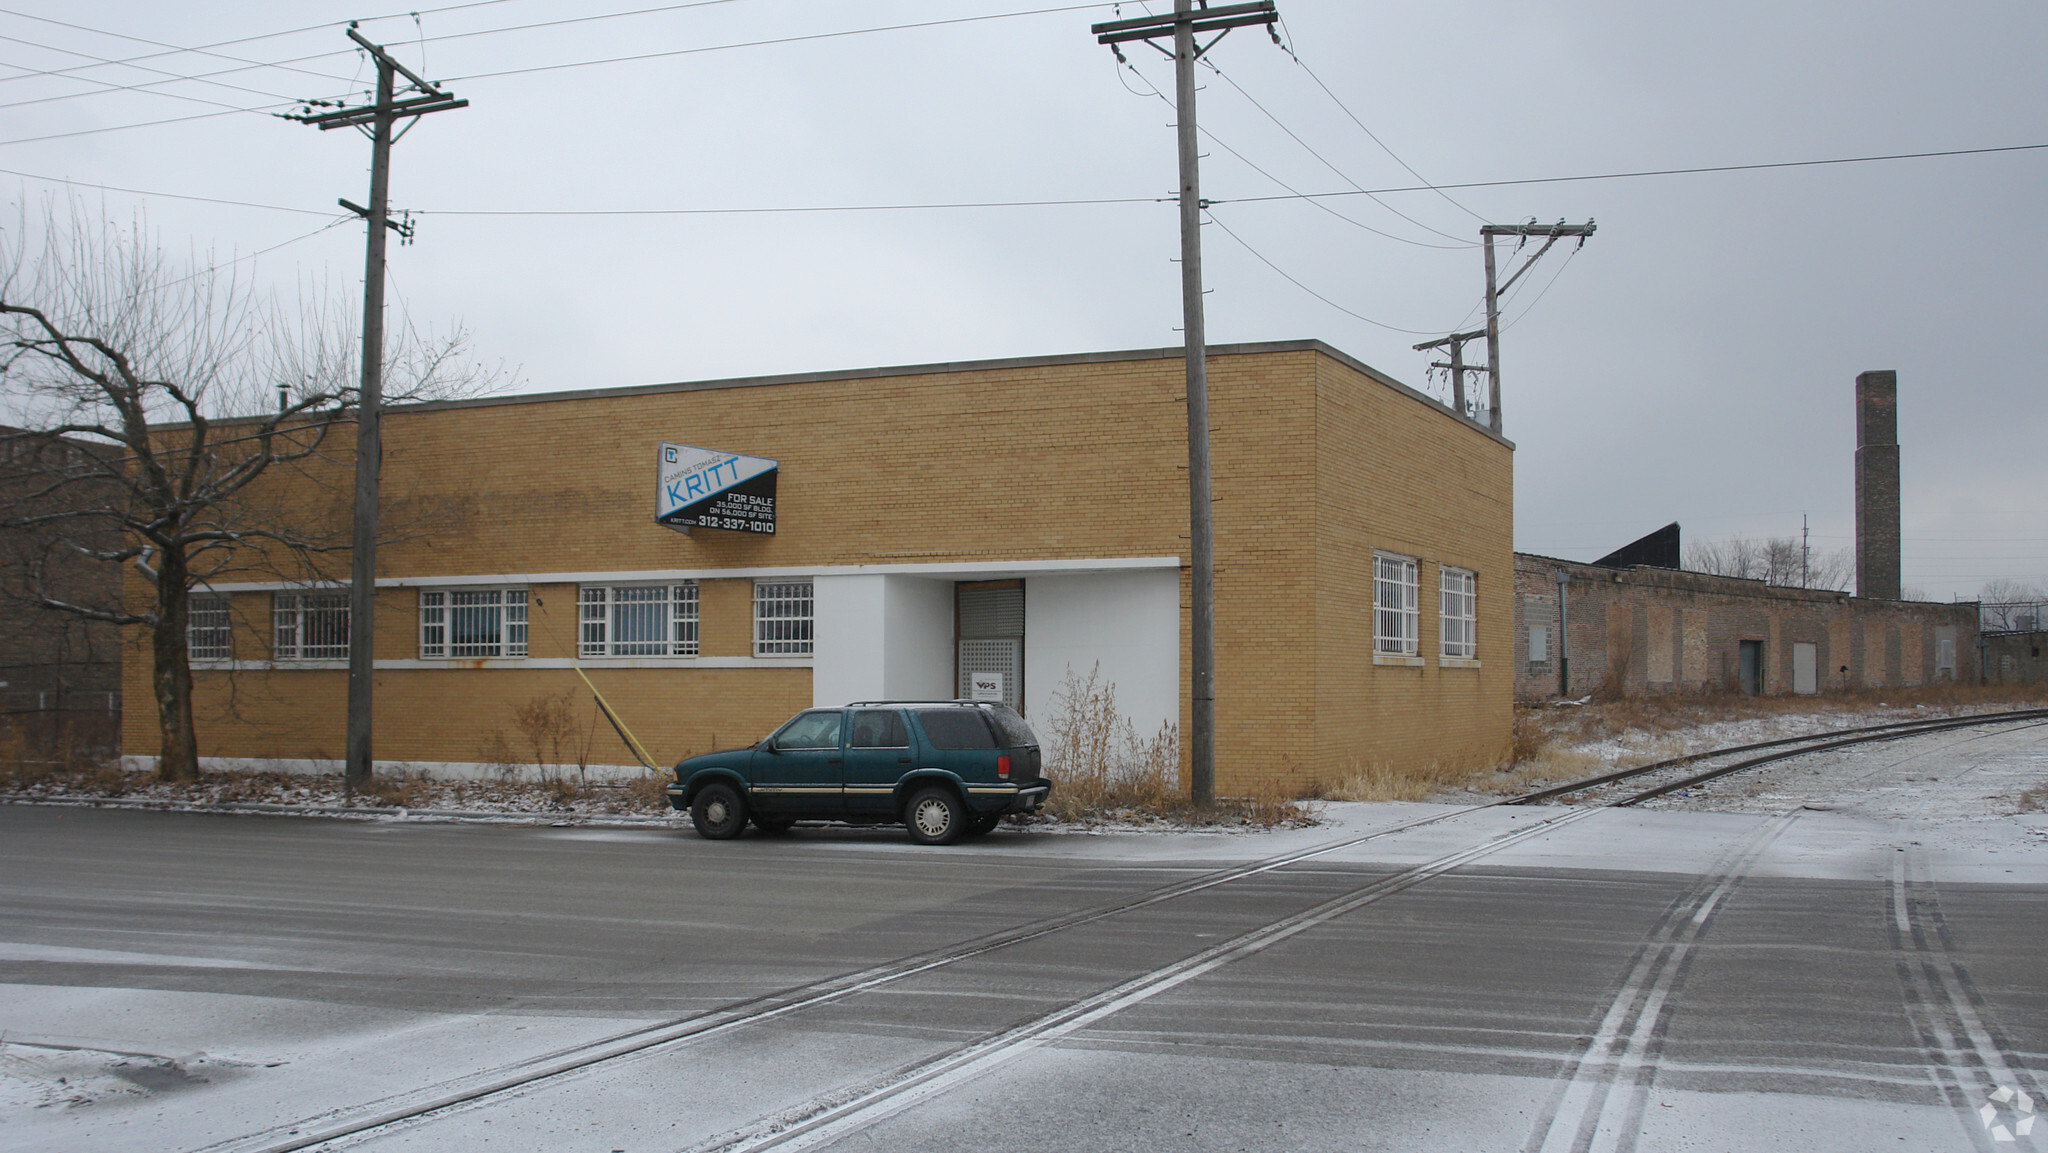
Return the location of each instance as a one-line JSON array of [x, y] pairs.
[[705, 488]]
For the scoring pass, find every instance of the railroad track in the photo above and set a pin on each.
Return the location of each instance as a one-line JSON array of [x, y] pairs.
[[1781, 750], [847, 1109]]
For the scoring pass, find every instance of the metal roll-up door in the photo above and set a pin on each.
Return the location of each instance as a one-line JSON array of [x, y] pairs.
[[991, 637]]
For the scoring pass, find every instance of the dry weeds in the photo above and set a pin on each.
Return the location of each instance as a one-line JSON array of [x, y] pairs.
[[1103, 771]]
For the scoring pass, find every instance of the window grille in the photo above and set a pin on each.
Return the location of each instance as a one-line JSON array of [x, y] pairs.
[[208, 630], [472, 623], [1396, 618], [1460, 632], [637, 620], [310, 626], [782, 618]]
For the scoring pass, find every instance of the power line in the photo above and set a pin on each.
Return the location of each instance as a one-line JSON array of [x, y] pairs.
[[1249, 163], [1341, 174], [107, 86], [794, 209], [776, 40], [145, 124], [1288, 47], [576, 20], [163, 195], [1568, 258], [207, 48], [1289, 277], [1652, 172], [587, 63], [69, 73]]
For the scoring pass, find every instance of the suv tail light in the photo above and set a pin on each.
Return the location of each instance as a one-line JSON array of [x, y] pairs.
[[1003, 766]]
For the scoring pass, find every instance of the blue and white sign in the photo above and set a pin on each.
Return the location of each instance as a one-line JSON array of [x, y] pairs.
[[705, 488]]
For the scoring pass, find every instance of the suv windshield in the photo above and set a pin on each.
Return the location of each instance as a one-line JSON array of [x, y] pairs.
[[956, 728], [818, 730]]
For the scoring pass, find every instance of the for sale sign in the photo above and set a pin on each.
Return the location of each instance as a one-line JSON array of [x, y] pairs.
[[705, 488]]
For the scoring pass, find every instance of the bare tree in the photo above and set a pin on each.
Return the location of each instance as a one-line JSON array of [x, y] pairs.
[[184, 386], [2009, 605], [1774, 561]]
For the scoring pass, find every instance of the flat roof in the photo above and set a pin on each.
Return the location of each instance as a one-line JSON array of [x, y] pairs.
[[891, 371]]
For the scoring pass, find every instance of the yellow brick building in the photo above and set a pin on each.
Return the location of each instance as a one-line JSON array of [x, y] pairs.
[[1021, 519]]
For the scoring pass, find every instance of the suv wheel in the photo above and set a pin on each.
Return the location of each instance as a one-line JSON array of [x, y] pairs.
[[718, 813], [935, 817]]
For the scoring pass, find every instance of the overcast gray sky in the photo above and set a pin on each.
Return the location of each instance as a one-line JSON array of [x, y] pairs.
[[1694, 362]]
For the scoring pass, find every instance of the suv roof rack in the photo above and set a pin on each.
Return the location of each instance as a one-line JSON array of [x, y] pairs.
[[923, 701]]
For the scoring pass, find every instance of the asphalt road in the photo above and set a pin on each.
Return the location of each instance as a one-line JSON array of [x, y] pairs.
[[1612, 980]]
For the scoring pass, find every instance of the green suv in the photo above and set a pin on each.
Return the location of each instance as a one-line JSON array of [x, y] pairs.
[[942, 769]]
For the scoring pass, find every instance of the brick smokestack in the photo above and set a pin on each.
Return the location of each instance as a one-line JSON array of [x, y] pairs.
[[1877, 485]]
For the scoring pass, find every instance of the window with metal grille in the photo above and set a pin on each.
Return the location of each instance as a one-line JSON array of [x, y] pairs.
[[471, 623], [638, 620], [1460, 630], [207, 627], [309, 626], [782, 618], [1395, 616]]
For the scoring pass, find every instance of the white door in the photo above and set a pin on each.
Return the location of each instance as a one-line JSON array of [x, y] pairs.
[[1805, 666]]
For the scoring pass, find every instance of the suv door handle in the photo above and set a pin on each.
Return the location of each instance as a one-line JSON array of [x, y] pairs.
[[832, 760], [902, 760]]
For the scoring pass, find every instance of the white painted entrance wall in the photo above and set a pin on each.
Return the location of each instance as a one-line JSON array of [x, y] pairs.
[[880, 637], [1128, 621], [883, 637]]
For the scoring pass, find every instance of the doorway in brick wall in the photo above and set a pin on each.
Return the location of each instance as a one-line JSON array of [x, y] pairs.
[[1749, 667], [990, 633]]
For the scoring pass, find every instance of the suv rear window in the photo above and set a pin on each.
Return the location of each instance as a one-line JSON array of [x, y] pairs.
[[1015, 732], [956, 729]]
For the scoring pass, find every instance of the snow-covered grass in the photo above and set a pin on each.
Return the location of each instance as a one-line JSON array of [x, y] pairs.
[[560, 800], [411, 793], [1572, 740]]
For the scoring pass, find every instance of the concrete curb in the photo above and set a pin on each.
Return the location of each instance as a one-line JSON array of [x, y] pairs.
[[353, 812]]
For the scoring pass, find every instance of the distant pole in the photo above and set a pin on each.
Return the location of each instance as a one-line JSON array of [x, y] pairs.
[[1804, 580], [362, 603], [1493, 362], [1494, 287], [1185, 21], [1456, 365], [1458, 378], [1564, 659]]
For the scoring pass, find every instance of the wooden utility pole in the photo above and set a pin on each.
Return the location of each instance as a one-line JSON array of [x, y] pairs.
[[1185, 22], [1522, 232], [379, 118], [1457, 366]]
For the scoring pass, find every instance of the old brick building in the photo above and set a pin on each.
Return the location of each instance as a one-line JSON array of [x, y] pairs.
[[1633, 622], [1008, 520], [1647, 629], [60, 673]]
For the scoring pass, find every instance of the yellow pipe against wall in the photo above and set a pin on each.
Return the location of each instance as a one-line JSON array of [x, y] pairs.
[[625, 734]]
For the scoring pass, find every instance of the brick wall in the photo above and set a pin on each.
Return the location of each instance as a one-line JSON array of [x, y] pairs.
[[2016, 658], [1648, 630], [1315, 463]]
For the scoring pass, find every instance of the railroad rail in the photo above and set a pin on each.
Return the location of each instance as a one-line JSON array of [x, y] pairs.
[[1811, 743], [837, 1114]]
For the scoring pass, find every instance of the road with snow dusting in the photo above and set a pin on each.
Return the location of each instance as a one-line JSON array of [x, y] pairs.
[[1845, 955]]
